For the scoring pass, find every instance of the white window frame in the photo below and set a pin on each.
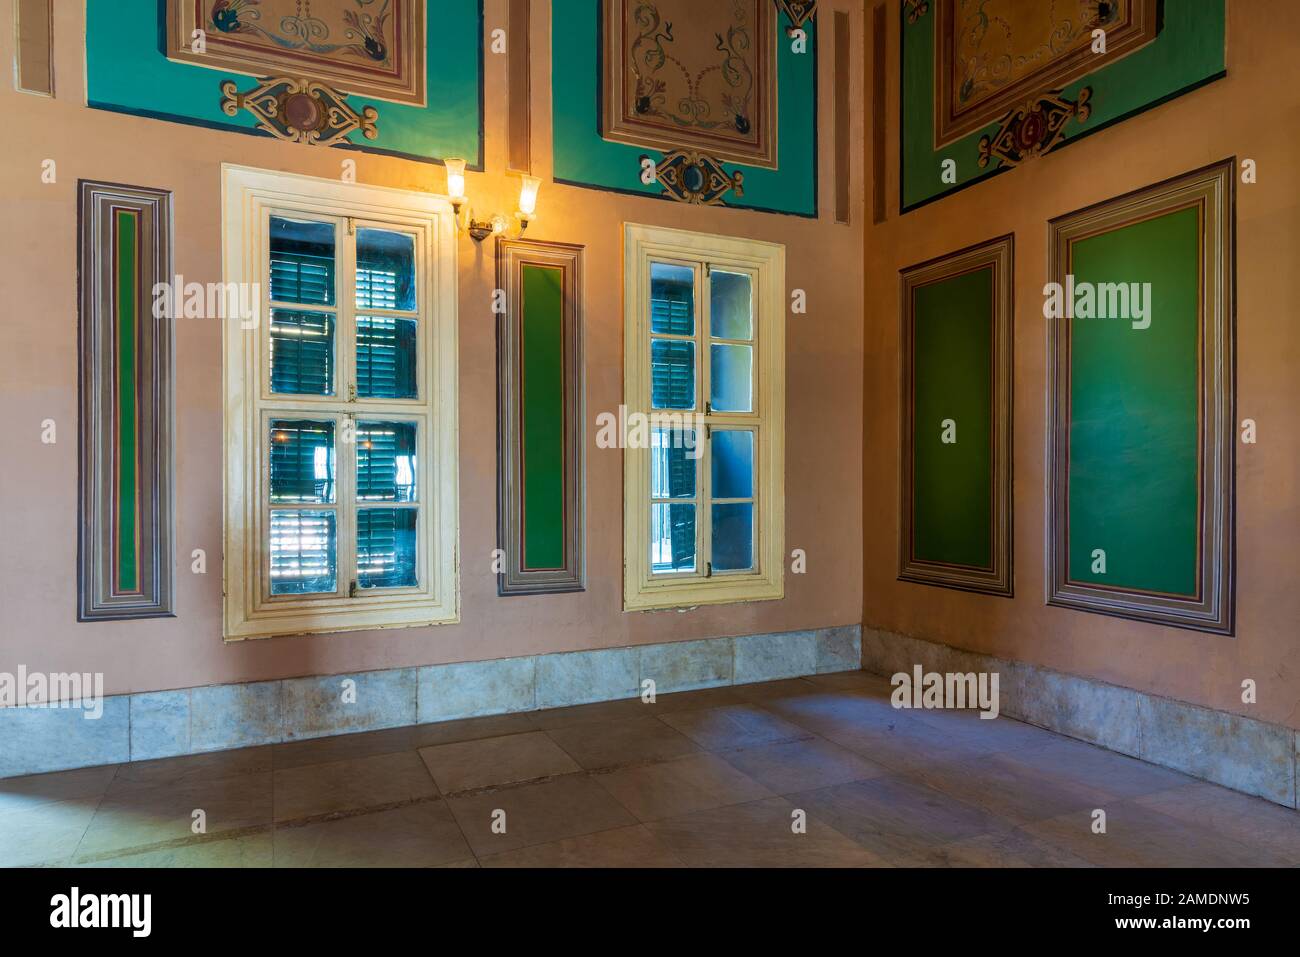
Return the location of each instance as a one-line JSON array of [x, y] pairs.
[[250, 197], [643, 590]]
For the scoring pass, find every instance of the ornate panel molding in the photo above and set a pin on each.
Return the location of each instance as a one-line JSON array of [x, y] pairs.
[[993, 576], [799, 12], [691, 177], [125, 546], [299, 111], [1207, 604], [992, 56], [371, 48], [1034, 128], [679, 74], [540, 399]]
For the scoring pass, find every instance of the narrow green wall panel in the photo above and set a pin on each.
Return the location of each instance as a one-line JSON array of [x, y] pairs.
[[953, 364], [125, 426], [125, 242], [956, 344], [1134, 403], [541, 502], [543, 413]]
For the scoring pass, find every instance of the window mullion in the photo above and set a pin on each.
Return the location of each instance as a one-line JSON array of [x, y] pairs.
[[347, 333], [704, 521]]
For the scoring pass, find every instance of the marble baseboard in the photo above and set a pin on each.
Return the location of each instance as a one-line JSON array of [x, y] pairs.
[[1241, 753], [160, 724]]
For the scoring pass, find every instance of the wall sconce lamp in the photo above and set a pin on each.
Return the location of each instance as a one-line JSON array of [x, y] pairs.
[[480, 230]]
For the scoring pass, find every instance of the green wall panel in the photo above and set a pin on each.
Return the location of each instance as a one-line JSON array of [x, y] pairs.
[[953, 376], [1188, 52], [127, 71], [583, 158], [542, 416], [1134, 406], [126, 242]]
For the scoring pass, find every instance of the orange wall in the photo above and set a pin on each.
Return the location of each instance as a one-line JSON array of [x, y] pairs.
[[1253, 113], [38, 381]]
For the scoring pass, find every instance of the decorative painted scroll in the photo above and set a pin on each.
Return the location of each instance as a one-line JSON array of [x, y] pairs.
[[126, 474], [987, 84], [995, 55], [691, 177], [1034, 128], [34, 55], [540, 502], [299, 111], [956, 403], [799, 12], [372, 48], [680, 74], [584, 157], [1141, 437]]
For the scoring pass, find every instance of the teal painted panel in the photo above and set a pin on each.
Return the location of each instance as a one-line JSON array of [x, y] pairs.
[[583, 158], [126, 71], [1188, 51]]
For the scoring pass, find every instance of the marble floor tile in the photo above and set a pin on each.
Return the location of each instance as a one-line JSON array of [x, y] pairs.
[[135, 815], [1272, 830], [196, 767], [491, 762], [221, 852], [1106, 771], [760, 834], [25, 793], [1138, 836], [506, 819], [763, 691], [417, 835], [695, 782], [583, 713], [899, 820], [379, 781], [632, 847], [47, 832], [1015, 792], [734, 726], [610, 744], [802, 765]]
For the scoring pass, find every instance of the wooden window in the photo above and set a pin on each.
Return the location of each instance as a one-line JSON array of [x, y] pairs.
[[705, 397], [340, 407]]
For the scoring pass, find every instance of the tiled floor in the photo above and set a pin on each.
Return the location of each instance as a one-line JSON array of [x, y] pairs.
[[721, 777]]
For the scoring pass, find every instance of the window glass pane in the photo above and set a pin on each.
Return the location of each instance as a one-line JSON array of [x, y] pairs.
[[731, 309], [386, 357], [733, 463], [386, 547], [302, 352], [672, 463], [672, 538], [672, 299], [302, 261], [302, 461], [733, 537], [386, 462], [672, 374], [385, 270], [731, 378], [302, 552]]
